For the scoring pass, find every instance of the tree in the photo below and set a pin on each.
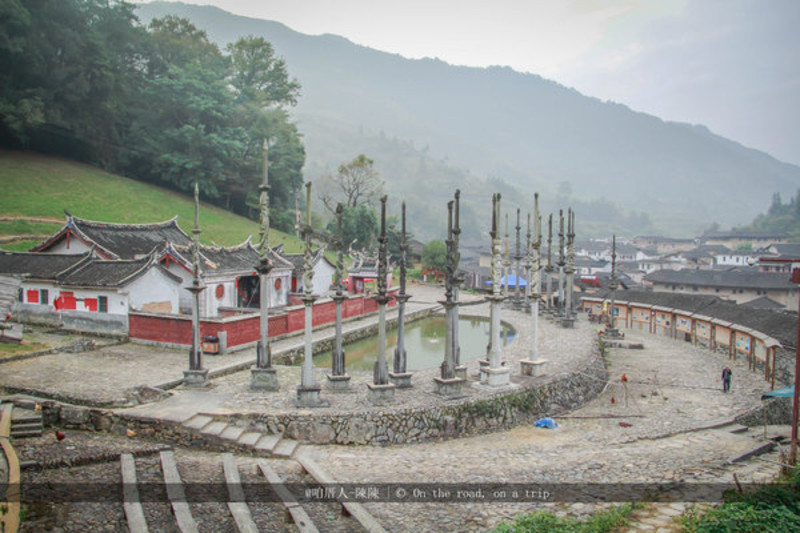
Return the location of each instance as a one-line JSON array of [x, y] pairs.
[[434, 255], [359, 227], [258, 76], [357, 181]]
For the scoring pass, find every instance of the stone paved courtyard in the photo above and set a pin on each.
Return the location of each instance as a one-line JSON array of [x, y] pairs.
[[673, 395]]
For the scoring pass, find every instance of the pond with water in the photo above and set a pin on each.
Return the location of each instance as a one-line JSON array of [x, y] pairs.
[[424, 341]]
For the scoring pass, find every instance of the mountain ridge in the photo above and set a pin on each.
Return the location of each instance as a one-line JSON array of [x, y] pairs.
[[531, 132]]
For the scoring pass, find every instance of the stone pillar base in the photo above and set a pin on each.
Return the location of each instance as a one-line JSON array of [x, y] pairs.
[[338, 382], [401, 380], [381, 394], [535, 367], [263, 378], [196, 378], [309, 397], [567, 323], [498, 377], [461, 372], [448, 387], [484, 363]]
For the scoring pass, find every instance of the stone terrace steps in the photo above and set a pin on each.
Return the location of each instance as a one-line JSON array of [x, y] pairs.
[[182, 510], [262, 443], [354, 509], [25, 423]]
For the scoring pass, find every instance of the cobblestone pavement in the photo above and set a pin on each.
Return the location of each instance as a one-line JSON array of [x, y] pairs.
[[672, 389]]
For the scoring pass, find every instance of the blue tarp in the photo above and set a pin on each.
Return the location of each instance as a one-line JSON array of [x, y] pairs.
[[512, 281], [547, 423], [785, 392]]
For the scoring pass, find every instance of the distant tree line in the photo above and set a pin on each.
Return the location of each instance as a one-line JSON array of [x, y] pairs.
[[84, 80], [780, 217]]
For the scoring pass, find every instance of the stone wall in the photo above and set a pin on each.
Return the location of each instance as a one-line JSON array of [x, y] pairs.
[[389, 426], [77, 321], [772, 411], [398, 426]]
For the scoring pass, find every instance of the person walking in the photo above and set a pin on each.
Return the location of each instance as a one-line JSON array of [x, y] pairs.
[[726, 379]]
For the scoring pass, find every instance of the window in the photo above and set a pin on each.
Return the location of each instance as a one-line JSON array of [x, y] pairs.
[[44, 296], [102, 304], [20, 294]]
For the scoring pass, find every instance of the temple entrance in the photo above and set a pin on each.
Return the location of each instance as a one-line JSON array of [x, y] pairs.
[[247, 288]]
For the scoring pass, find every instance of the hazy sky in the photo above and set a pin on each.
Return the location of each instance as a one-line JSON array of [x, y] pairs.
[[733, 65]]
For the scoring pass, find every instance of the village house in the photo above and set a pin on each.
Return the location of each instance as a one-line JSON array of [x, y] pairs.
[[779, 258], [735, 240], [85, 292], [736, 285], [227, 272], [664, 245]]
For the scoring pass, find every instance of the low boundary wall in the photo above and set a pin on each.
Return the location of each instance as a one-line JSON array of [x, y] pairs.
[[763, 353], [243, 330]]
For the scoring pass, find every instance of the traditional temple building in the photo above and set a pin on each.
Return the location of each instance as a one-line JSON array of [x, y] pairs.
[[227, 271], [91, 293], [323, 272], [229, 275]]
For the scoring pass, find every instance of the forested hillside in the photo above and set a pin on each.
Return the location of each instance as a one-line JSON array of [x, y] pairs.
[[83, 79]]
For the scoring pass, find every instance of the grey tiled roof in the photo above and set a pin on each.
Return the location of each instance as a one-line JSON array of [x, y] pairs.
[[104, 273], [723, 279], [239, 258], [777, 324], [120, 241], [297, 260], [38, 265]]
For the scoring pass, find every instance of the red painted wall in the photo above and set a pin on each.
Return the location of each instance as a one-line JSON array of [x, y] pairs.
[[242, 329]]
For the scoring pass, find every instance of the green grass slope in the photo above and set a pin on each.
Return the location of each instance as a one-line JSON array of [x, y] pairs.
[[36, 189]]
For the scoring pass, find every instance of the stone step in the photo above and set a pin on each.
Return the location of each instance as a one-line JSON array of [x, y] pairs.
[[231, 433], [198, 422], [763, 447], [26, 418], [21, 434], [238, 505], [285, 448], [354, 509], [214, 429], [299, 515], [267, 443], [176, 493], [134, 513], [26, 426], [737, 428], [249, 439]]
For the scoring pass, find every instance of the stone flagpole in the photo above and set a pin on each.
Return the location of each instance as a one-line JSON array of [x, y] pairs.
[[401, 377], [561, 263], [380, 390], [569, 316], [338, 378], [496, 375], [263, 374], [611, 331], [196, 376], [548, 269], [528, 267], [448, 384], [308, 393]]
